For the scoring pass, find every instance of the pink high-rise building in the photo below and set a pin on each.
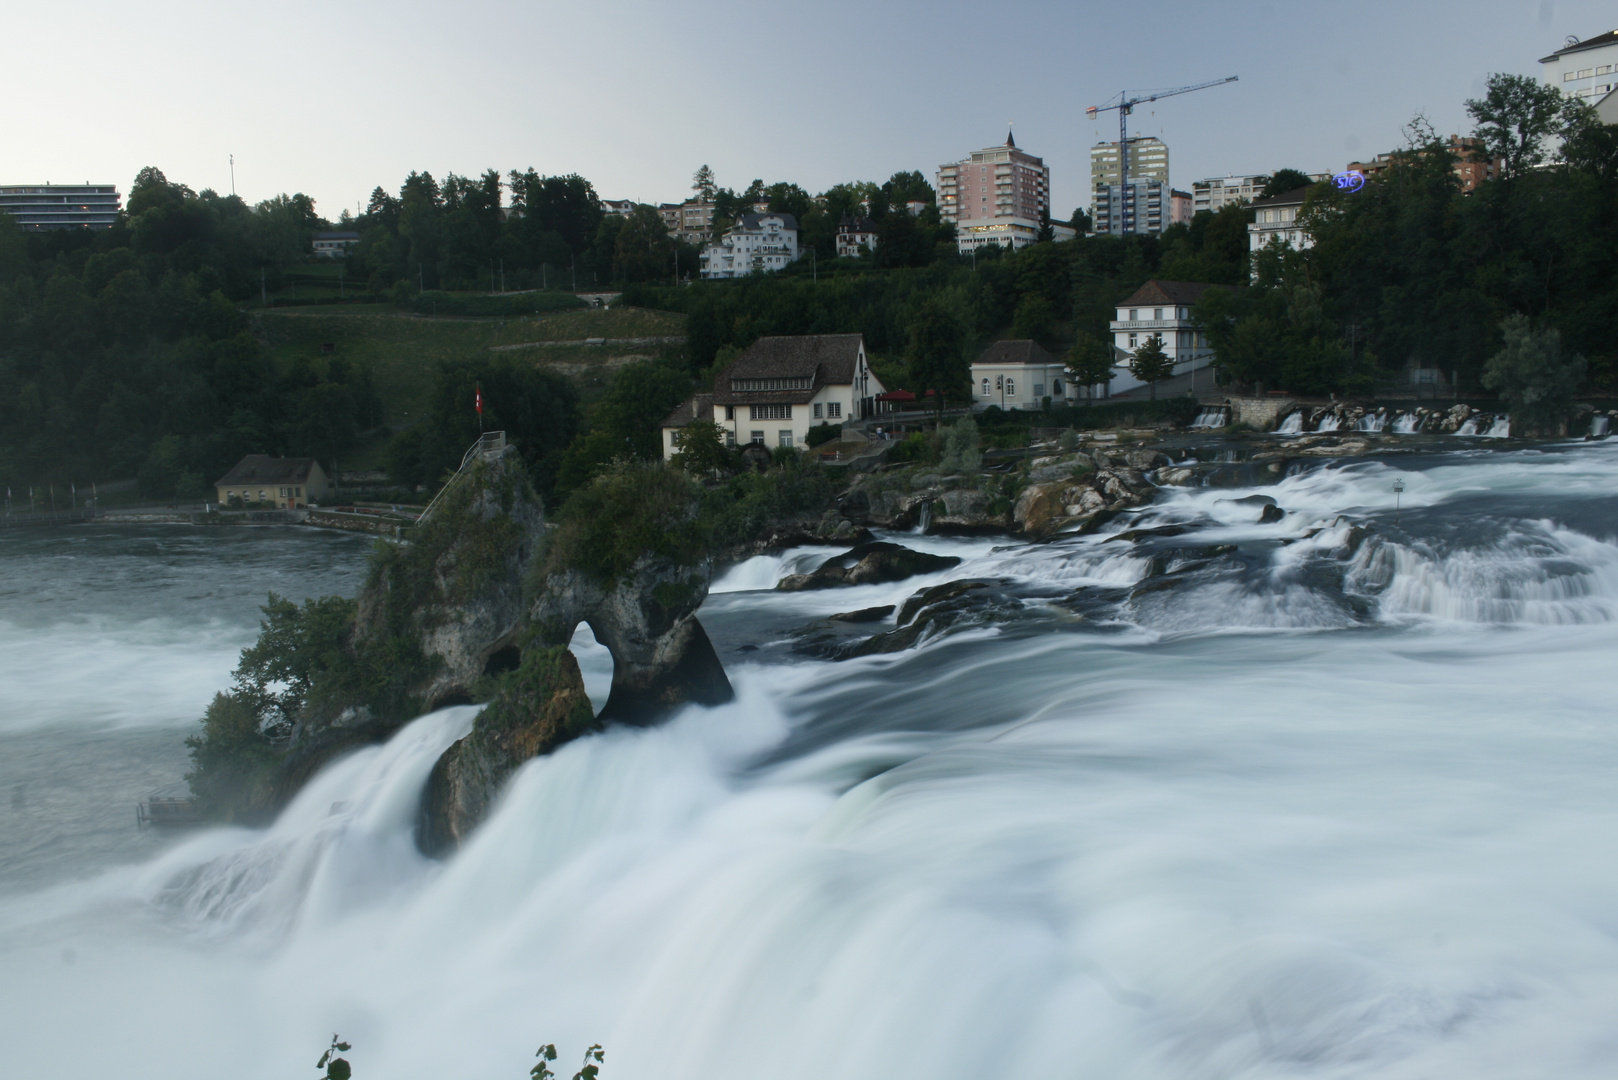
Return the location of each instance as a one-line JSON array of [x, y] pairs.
[[998, 195]]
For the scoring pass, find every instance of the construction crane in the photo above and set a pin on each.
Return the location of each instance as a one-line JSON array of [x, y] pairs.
[[1125, 104]]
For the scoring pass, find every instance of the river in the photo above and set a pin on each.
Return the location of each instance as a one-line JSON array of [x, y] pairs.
[[1328, 797]]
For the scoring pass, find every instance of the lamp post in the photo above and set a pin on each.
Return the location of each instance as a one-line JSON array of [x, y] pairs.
[[1398, 489]]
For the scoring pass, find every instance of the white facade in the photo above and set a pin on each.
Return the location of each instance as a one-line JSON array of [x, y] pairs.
[[1163, 309], [1219, 191], [1020, 386], [1587, 70], [853, 234], [758, 243], [1275, 220], [333, 245], [1145, 214]]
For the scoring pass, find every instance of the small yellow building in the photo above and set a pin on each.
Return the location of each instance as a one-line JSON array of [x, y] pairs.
[[285, 483]]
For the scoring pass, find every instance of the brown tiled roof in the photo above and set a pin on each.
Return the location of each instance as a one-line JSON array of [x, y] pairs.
[[1170, 292], [1020, 351], [824, 359], [263, 469], [696, 407]]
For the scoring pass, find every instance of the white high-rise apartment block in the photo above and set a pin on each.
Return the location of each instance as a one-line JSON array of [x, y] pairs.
[[1148, 159], [998, 195], [1219, 191], [1587, 70], [1145, 206]]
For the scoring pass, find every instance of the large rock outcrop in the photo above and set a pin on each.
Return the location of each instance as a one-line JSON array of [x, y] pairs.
[[541, 706], [867, 564], [662, 658]]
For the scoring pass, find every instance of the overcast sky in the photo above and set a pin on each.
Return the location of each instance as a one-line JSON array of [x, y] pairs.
[[334, 99]]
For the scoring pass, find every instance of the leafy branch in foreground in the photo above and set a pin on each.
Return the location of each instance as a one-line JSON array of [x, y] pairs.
[[336, 1068], [547, 1054]]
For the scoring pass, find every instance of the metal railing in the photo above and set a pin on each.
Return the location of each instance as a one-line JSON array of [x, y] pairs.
[[489, 444]]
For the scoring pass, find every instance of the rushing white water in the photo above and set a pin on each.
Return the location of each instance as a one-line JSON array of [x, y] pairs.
[[1329, 422], [1376, 421], [1469, 426], [1292, 425], [1212, 416], [1500, 428], [1600, 425], [1335, 805], [1406, 424]]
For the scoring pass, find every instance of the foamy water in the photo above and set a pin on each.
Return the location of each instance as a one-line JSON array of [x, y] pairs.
[[1335, 806]]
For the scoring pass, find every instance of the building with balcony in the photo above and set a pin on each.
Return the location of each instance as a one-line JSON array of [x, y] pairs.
[[1141, 207], [757, 244], [1162, 308], [690, 221], [1275, 220], [1217, 192], [1468, 170], [854, 233], [997, 195], [779, 388], [59, 206]]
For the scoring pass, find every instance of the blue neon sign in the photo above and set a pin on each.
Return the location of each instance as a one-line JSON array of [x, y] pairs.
[[1349, 181]]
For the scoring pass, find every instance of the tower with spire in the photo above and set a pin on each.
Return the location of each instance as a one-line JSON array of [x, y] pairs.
[[997, 195]]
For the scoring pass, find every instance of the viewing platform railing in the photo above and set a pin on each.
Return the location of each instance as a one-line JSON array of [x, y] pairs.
[[490, 444]]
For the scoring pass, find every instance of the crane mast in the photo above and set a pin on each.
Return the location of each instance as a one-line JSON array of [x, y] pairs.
[[1125, 104]]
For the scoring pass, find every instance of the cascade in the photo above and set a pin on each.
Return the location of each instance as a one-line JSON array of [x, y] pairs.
[[1212, 416], [1376, 421], [1500, 429], [1330, 422], [1407, 423], [1292, 425], [1470, 427], [1600, 426]]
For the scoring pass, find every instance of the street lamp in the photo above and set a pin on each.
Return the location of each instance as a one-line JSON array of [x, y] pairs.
[[1398, 489]]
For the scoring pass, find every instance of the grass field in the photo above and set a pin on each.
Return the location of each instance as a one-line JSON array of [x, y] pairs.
[[405, 351]]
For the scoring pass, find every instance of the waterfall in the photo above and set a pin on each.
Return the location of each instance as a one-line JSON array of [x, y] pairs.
[[1600, 426], [1500, 429], [1329, 422], [1470, 427], [1292, 425], [1373, 421], [1212, 416], [924, 520], [1406, 424]]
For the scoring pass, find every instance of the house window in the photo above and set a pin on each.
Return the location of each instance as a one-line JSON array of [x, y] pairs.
[[730, 437], [834, 409], [1011, 387], [818, 410], [770, 412], [1134, 314], [785, 436], [757, 437], [985, 387], [1134, 339], [730, 412], [1157, 313], [1056, 387]]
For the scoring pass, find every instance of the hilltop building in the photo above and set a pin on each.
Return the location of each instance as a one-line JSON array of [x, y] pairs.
[[779, 388], [1587, 70], [758, 243], [690, 221], [1145, 209], [334, 245], [1469, 172], [1217, 192], [997, 195], [286, 483], [854, 233], [58, 206], [1148, 157], [1276, 219]]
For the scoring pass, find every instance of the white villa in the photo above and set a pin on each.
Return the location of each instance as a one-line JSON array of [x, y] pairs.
[[1019, 375], [756, 244], [1162, 308], [778, 389]]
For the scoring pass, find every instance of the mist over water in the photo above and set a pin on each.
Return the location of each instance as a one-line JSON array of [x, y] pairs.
[[1335, 802]]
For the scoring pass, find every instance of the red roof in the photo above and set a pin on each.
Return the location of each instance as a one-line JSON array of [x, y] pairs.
[[896, 395]]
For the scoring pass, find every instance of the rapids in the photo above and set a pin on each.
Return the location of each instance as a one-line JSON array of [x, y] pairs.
[[1333, 802]]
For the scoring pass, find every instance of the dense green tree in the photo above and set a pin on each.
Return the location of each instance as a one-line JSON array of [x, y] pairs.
[[1089, 363], [637, 398], [936, 354], [703, 185], [1533, 374], [1151, 363], [643, 251], [1516, 118], [1283, 181]]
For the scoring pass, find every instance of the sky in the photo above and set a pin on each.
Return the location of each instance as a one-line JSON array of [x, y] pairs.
[[334, 99]]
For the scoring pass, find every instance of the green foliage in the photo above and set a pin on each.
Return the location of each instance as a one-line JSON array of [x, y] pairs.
[[703, 451], [593, 1057], [1151, 363], [748, 505], [1515, 118], [336, 1068], [913, 448], [1283, 181], [439, 303], [936, 355], [629, 511], [823, 432], [960, 447], [1532, 373], [637, 398]]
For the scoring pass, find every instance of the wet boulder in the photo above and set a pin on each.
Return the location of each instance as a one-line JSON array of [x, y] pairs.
[[868, 564]]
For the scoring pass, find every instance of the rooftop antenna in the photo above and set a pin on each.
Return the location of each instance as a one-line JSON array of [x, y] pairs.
[[233, 176], [1570, 41]]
